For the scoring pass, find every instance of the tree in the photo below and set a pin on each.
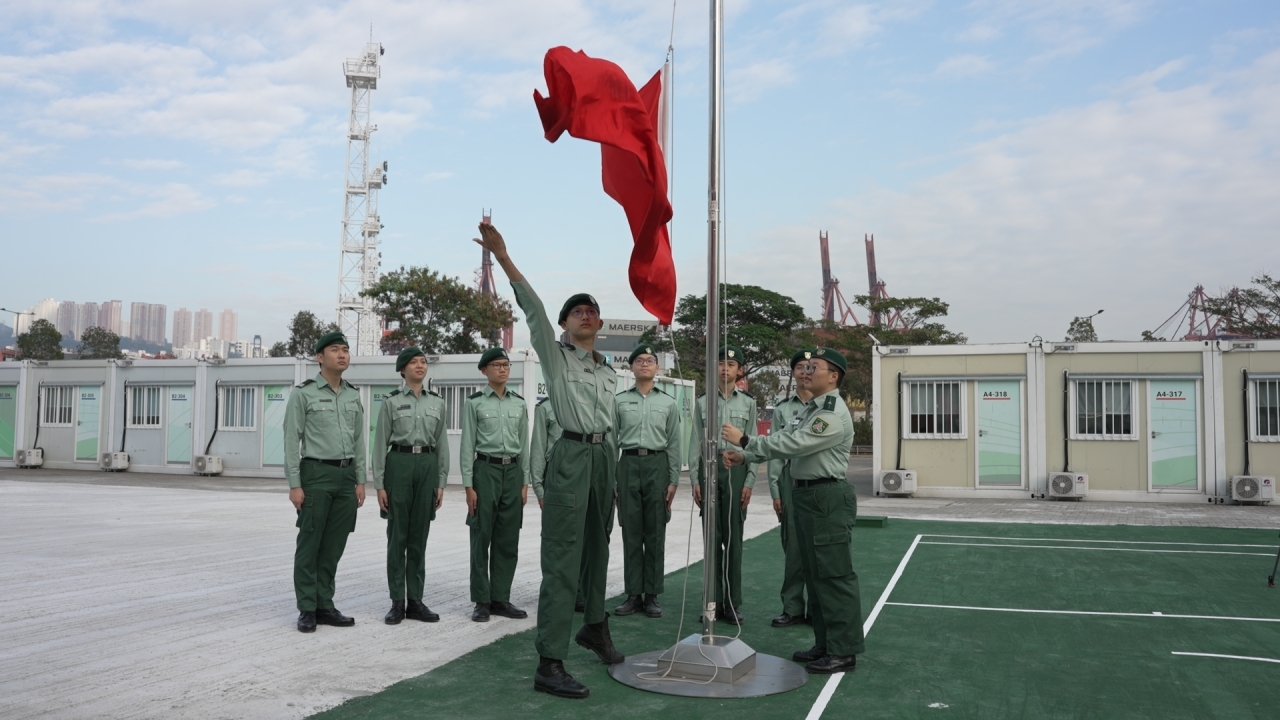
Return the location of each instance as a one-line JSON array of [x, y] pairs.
[[305, 329], [761, 322], [437, 313], [41, 341], [1253, 312], [1081, 330], [278, 350], [97, 343]]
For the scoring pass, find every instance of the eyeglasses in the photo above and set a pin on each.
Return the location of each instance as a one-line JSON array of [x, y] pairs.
[[645, 361], [585, 313], [500, 366]]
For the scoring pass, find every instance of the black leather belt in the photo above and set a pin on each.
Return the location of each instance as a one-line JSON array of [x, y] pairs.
[[642, 451], [495, 460], [414, 449], [336, 463], [593, 438], [815, 481]]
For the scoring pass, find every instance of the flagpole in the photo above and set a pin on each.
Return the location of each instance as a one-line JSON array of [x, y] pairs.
[[711, 429]]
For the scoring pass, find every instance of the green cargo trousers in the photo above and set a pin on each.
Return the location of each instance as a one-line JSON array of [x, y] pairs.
[[577, 519], [495, 530], [793, 601], [327, 517], [825, 517], [730, 516], [410, 483], [643, 516]]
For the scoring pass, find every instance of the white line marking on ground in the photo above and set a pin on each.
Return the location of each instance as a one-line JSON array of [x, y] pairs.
[[1112, 549], [1118, 542], [1227, 657], [829, 689], [1083, 612]]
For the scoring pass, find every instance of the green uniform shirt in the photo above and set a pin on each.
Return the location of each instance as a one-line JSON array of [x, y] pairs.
[[785, 414], [818, 445], [322, 424], [546, 431], [739, 410], [409, 419], [651, 422], [495, 426], [581, 384]]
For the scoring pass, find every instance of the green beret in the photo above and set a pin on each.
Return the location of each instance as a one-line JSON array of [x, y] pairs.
[[406, 355], [331, 338], [801, 355], [642, 350], [835, 357], [490, 355], [734, 353], [575, 301]]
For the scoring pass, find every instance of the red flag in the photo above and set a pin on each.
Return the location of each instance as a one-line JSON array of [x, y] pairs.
[[594, 100]]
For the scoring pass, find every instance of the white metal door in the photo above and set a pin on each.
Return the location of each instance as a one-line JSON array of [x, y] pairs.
[[1173, 435]]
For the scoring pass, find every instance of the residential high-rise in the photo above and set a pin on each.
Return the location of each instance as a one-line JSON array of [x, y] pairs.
[[146, 322], [109, 316], [181, 327], [155, 329], [227, 321], [90, 316], [68, 319], [201, 325]]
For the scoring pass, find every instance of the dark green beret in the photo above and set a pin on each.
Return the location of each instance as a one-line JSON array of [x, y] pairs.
[[642, 350], [734, 353], [575, 301], [490, 355], [801, 355], [331, 338], [406, 355], [835, 357]]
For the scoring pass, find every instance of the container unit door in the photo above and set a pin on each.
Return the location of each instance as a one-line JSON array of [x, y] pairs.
[[88, 417], [999, 433], [275, 399], [378, 393], [8, 419], [178, 433], [1174, 444]]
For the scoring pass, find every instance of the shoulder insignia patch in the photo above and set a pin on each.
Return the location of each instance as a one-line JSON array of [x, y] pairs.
[[475, 395], [819, 426], [829, 403], [433, 392], [744, 392], [393, 393], [515, 394], [312, 381], [539, 404], [353, 387]]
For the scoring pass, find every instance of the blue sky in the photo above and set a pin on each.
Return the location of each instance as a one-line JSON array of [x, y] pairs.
[[1025, 161]]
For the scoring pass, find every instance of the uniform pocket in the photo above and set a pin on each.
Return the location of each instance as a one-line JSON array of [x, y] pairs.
[[558, 509], [832, 555], [487, 420], [628, 416]]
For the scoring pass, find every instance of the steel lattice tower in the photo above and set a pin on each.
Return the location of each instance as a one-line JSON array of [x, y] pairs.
[[359, 259]]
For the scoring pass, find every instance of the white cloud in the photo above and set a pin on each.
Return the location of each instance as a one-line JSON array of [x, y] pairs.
[[169, 199], [149, 164], [958, 66], [744, 84]]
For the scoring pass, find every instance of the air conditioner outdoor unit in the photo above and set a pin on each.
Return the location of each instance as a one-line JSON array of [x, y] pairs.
[[1253, 488], [208, 465], [897, 482], [1068, 485], [114, 461], [33, 458]]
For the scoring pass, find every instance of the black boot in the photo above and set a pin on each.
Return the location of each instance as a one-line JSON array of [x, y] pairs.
[[481, 613], [333, 617], [552, 679], [787, 620], [395, 614], [507, 610], [307, 621], [651, 606], [417, 610], [595, 637], [806, 656], [831, 664], [630, 607]]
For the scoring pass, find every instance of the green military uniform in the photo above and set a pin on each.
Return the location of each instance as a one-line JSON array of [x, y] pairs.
[[825, 510], [578, 497], [495, 463], [649, 437], [739, 410], [323, 455], [546, 431], [785, 414], [411, 462]]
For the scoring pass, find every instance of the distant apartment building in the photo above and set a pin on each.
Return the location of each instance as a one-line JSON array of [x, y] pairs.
[[109, 316], [227, 322], [181, 327], [146, 322], [201, 325], [46, 309], [68, 319], [90, 316]]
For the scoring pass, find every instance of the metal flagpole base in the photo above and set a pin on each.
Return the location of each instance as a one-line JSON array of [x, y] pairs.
[[710, 667]]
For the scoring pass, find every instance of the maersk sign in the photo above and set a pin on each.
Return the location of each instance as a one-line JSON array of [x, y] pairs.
[[631, 328]]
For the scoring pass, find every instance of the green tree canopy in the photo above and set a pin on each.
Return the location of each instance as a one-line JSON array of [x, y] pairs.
[[280, 349], [41, 341], [1081, 330], [97, 343], [437, 313], [304, 330], [1253, 312]]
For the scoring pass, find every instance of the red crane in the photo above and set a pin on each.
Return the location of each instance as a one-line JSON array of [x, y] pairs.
[[488, 286], [1201, 325], [877, 291], [832, 299]]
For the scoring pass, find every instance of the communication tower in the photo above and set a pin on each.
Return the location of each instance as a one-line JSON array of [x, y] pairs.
[[359, 259]]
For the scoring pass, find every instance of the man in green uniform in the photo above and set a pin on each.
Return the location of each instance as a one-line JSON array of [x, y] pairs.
[[577, 514], [785, 414], [733, 485], [825, 509], [546, 431], [648, 423], [324, 464], [495, 473], [410, 469]]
